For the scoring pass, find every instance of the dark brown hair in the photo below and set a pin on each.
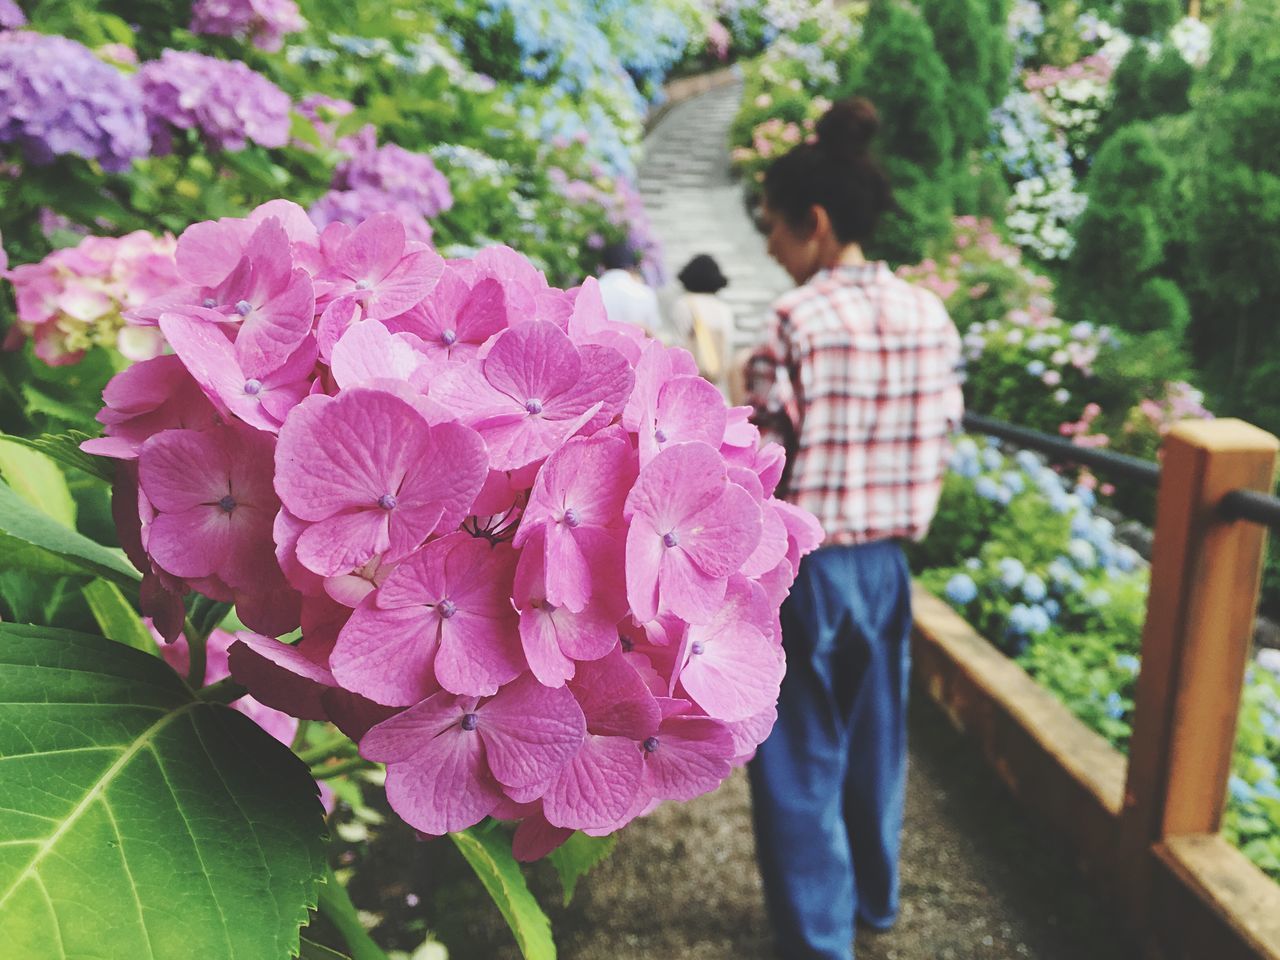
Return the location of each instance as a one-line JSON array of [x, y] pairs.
[[837, 172]]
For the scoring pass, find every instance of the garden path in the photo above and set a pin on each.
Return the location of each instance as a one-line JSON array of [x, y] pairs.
[[979, 880]]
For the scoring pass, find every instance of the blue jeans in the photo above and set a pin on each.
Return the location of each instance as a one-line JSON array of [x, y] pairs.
[[828, 784]]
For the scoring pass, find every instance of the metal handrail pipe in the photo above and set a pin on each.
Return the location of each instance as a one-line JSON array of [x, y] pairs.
[[1117, 465]]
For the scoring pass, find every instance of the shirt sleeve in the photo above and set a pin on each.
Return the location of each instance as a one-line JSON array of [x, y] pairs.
[[770, 382]]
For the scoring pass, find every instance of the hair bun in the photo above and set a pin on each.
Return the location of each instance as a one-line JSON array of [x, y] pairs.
[[847, 129]]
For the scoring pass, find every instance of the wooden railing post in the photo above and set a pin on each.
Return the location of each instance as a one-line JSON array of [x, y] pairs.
[[1204, 589]]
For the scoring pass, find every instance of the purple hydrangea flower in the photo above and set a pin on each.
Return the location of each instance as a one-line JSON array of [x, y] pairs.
[[57, 98], [408, 177], [224, 99], [11, 15], [265, 22], [384, 178]]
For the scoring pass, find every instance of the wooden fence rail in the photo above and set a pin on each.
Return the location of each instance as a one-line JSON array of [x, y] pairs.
[[1145, 831]]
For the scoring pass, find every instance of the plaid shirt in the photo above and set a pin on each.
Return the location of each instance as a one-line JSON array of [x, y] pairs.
[[859, 379]]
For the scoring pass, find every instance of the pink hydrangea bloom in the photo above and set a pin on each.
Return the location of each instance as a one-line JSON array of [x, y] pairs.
[[450, 758], [443, 617], [690, 530], [372, 476], [536, 563]]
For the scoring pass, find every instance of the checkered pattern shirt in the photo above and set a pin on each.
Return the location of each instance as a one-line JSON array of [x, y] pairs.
[[859, 378]]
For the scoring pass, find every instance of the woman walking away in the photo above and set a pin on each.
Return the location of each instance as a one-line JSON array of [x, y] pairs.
[[704, 321], [858, 375]]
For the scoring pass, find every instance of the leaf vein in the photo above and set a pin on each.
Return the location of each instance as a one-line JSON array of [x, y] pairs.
[[93, 793]]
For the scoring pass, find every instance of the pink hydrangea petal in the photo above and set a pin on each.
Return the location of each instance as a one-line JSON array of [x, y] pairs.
[[591, 475], [338, 317], [298, 227], [345, 452], [191, 543], [182, 469], [533, 361], [479, 652], [371, 250], [404, 285], [687, 590], [369, 351], [679, 483], [339, 544], [353, 714], [736, 675], [530, 731], [208, 251], [445, 786], [750, 733], [614, 698], [483, 313], [688, 409], [535, 838], [804, 532], [541, 645], [692, 758], [644, 564], [285, 532], [449, 472], [772, 546], [724, 534], [388, 655], [568, 567], [597, 786], [605, 379], [517, 439], [273, 331], [656, 366], [280, 675]]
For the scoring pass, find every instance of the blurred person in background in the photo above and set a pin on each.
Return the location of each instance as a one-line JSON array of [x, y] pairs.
[[627, 298], [704, 322], [858, 377]]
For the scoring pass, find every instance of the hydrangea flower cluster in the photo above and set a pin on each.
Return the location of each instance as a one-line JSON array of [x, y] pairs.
[[386, 177], [265, 22], [58, 99], [1053, 586], [1074, 98], [1042, 211], [11, 15], [1193, 39], [225, 100], [75, 298], [536, 562]]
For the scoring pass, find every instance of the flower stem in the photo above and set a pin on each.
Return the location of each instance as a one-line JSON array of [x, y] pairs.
[[339, 746], [341, 767], [224, 691]]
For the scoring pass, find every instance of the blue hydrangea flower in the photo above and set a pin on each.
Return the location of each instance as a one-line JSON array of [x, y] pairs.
[[961, 589], [1033, 588], [1036, 368], [1013, 481], [991, 459], [987, 489], [1239, 789], [1128, 663], [1099, 598], [1029, 462], [1114, 705], [973, 563], [1011, 572], [1083, 553]]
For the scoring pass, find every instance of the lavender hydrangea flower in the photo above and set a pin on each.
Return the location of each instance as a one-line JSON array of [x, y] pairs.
[[409, 177], [225, 100], [57, 98], [384, 178], [11, 15], [265, 22]]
